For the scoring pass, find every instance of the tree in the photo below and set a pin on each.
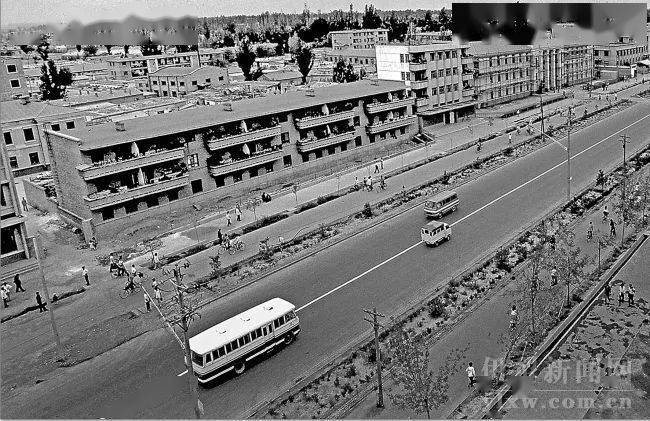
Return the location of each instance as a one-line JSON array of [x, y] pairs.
[[54, 81], [245, 60], [305, 60], [149, 48], [419, 388], [371, 19], [126, 50], [90, 50], [43, 48], [206, 30], [633, 202], [444, 19], [601, 180], [397, 29], [108, 48], [78, 48], [569, 259], [182, 48], [26, 49], [344, 73], [320, 28], [427, 23], [228, 40]]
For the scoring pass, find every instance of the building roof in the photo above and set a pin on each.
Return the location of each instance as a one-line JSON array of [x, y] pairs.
[[355, 31], [481, 49], [16, 110], [72, 100], [176, 71], [73, 67], [282, 75], [350, 51], [184, 121], [234, 327]]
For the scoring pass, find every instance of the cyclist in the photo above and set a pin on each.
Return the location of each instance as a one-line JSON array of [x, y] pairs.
[[264, 244], [513, 317], [478, 147], [129, 286], [590, 230]]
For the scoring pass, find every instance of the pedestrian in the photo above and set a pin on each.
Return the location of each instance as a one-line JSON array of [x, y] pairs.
[[228, 218], [381, 163], [554, 276], [5, 287], [18, 283], [365, 183], [621, 293], [590, 230], [158, 295], [84, 272], [510, 139], [238, 212], [177, 272], [608, 291], [471, 375], [513, 316], [630, 295], [5, 297], [120, 267], [156, 260], [147, 301], [356, 182], [605, 214], [615, 97], [612, 228], [370, 183], [134, 271], [92, 244], [154, 283], [220, 236], [376, 168], [39, 301], [25, 208]]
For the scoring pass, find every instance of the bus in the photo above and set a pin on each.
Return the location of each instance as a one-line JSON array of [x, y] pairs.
[[435, 232], [441, 204], [235, 342]]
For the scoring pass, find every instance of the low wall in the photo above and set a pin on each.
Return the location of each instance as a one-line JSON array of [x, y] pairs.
[[37, 198]]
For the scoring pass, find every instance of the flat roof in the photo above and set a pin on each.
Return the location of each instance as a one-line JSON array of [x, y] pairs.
[[354, 31], [103, 135], [232, 328], [444, 194], [176, 71], [16, 110], [481, 49], [434, 224]]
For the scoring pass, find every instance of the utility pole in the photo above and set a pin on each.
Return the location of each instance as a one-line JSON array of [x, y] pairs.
[[568, 159], [624, 139], [375, 325], [37, 249], [541, 107], [185, 315]]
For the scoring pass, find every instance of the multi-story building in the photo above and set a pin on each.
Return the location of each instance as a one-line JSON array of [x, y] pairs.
[[624, 52], [23, 123], [350, 55], [134, 67], [12, 79], [358, 38], [284, 78], [440, 76], [501, 73], [178, 81], [559, 64], [110, 177], [15, 244], [81, 71]]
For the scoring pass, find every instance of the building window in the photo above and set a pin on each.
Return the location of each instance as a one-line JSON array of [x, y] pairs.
[[287, 160], [172, 83], [220, 181], [11, 68], [108, 213], [33, 158], [154, 82], [15, 83], [269, 167], [163, 83], [194, 83], [172, 195], [237, 177], [207, 80], [403, 76], [29, 134], [285, 137], [357, 141], [13, 162], [131, 207], [181, 83], [174, 94], [344, 147], [253, 172], [357, 121], [220, 78], [69, 125], [197, 186], [56, 127], [152, 201], [8, 139], [319, 153], [193, 160], [305, 158]]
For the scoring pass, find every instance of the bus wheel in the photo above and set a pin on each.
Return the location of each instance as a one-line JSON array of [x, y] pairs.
[[288, 338], [240, 367]]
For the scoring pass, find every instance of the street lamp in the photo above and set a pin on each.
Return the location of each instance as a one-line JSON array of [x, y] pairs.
[[568, 158]]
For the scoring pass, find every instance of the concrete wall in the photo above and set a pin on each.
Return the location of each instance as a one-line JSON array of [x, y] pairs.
[[37, 198]]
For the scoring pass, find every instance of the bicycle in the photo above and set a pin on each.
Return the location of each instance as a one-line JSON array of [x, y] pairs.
[[125, 292]]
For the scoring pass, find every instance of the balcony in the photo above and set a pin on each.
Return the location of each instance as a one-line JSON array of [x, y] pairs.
[[390, 125], [254, 161], [90, 172], [467, 60], [378, 107], [101, 201], [467, 76], [228, 141], [310, 145], [419, 84], [422, 102], [7, 210], [309, 122], [416, 66]]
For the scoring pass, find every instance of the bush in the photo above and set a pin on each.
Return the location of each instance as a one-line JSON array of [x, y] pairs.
[[436, 308], [454, 283], [267, 220], [367, 210], [351, 371], [508, 151], [501, 260]]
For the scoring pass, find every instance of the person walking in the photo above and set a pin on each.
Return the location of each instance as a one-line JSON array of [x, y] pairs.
[[630, 295], [605, 214], [376, 168], [156, 260], [228, 218], [608, 291], [18, 283], [5, 297], [134, 272], [554, 276], [39, 301], [612, 228], [25, 208], [510, 139], [471, 375], [158, 295], [621, 293], [147, 301], [381, 163], [356, 182], [370, 183], [121, 270], [513, 317], [5, 287], [84, 272], [154, 283], [590, 230], [112, 265], [220, 236], [238, 212]]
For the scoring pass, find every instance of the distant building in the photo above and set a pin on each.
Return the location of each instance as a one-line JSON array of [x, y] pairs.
[[110, 177], [620, 58], [431, 37], [285, 78], [133, 67], [178, 81], [361, 57], [12, 78], [23, 123], [358, 38], [80, 71]]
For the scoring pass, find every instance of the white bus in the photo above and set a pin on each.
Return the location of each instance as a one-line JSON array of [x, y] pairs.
[[233, 343], [441, 204], [435, 232]]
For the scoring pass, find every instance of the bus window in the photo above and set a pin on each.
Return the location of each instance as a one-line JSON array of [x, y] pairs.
[[228, 348], [208, 357], [247, 339], [290, 316], [276, 323], [254, 335], [241, 342], [234, 345], [197, 358]]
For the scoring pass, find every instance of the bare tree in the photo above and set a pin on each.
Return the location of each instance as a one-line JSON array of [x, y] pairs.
[[567, 256], [419, 388]]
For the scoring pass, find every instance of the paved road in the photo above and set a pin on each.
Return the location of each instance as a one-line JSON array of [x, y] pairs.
[[136, 381]]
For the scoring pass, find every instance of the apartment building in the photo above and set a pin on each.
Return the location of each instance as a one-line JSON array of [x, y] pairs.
[[624, 52], [352, 56], [134, 67], [358, 38], [23, 123], [15, 244], [12, 79], [81, 71], [179, 81], [558, 64], [501, 73], [111, 177], [440, 76]]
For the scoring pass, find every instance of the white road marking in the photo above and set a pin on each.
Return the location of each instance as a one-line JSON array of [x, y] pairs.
[[181, 374], [406, 250]]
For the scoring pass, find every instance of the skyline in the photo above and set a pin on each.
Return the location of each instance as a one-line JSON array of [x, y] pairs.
[[20, 12]]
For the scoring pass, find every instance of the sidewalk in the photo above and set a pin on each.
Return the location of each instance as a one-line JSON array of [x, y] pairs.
[[481, 330], [101, 301]]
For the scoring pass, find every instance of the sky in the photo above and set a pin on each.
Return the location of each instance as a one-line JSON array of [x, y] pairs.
[[14, 12]]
